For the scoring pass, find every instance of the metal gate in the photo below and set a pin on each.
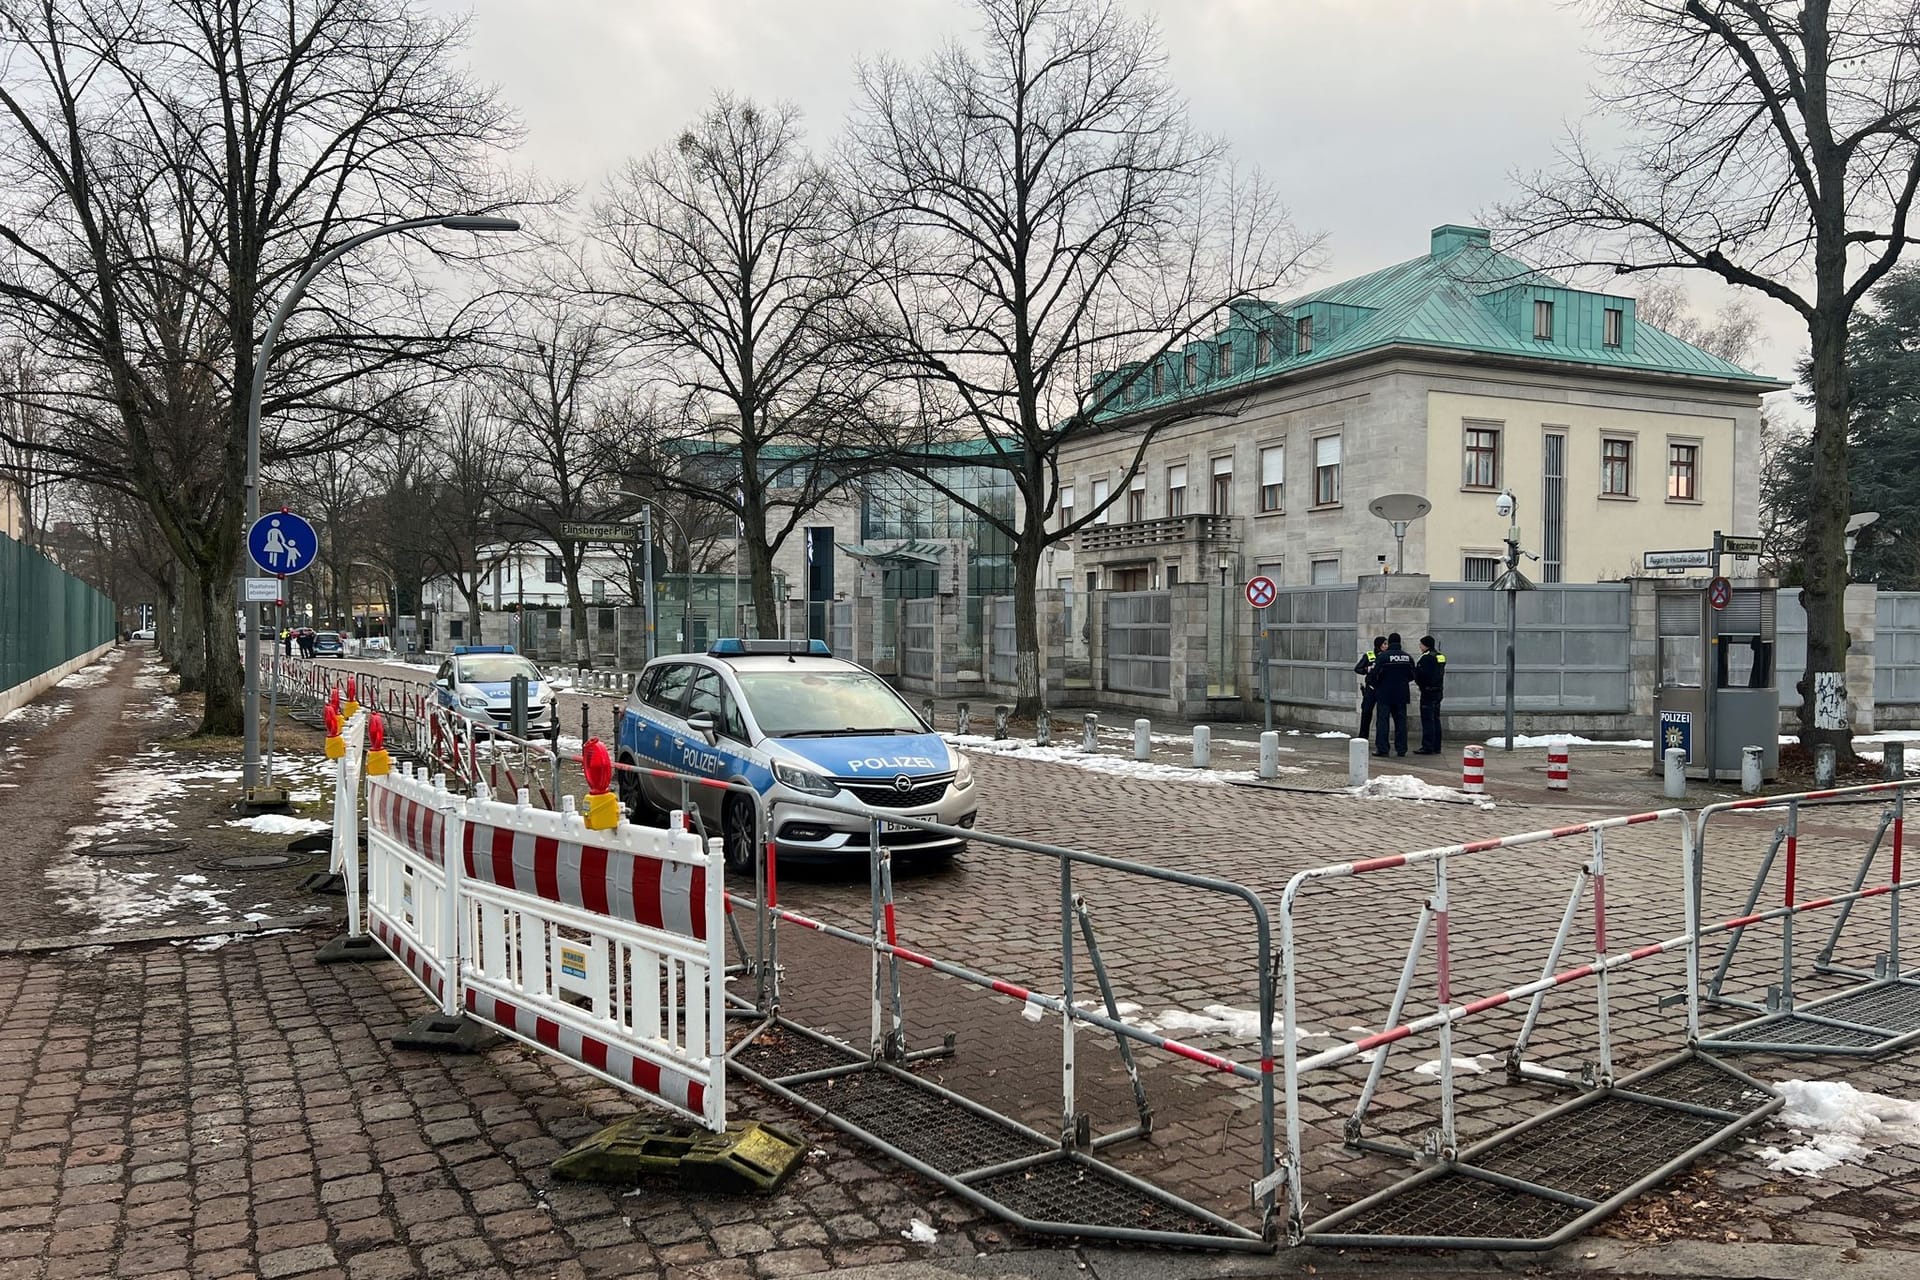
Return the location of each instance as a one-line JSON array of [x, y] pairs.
[[1139, 641], [1003, 658], [917, 619]]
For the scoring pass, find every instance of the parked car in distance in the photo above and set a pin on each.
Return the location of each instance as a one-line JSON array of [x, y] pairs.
[[144, 633], [327, 644], [477, 682]]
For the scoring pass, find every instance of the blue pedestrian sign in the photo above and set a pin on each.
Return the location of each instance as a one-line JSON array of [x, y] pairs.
[[282, 543]]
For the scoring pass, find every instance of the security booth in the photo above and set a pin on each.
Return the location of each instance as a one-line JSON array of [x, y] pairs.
[[1715, 693]]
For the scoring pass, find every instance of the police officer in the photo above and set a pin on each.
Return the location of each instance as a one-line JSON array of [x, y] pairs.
[[1394, 668], [1430, 673], [1369, 685]]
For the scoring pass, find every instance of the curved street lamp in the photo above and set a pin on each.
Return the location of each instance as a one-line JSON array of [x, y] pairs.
[[250, 767]]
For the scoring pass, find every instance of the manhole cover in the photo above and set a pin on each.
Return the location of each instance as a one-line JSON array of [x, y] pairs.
[[133, 848], [253, 862]]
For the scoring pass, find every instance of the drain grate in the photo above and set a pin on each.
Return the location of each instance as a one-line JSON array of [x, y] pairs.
[[933, 1129], [778, 1054], [1703, 1084], [1597, 1150], [1455, 1206], [133, 848], [1079, 1194], [253, 862]]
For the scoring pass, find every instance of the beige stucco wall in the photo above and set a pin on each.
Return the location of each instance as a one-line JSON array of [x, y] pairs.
[[1605, 535]]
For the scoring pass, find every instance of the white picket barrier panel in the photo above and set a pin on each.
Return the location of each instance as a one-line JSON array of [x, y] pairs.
[[412, 824], [607, 948], [343, 857]]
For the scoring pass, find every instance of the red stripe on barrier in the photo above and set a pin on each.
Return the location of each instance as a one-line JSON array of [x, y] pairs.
[[1383, 1037], [1443, 954], [1009, 989], [914, 957], [696, 1097], [1487, 1002], [593, 880], [1378, 864], [1573, 975], [594, 1052], [887, 911], [1481, 846], [547, 1032], [773, 898], [1898, 824], [502, 852], [1573, 830], [1197, 1055], [1638, 818], [1741, 921], [697, 903], [645, 886], [1813, 903], [546, 867], [646, 1075], [1600, 914], [1642, 953], [1793, 858], [1877, 890]]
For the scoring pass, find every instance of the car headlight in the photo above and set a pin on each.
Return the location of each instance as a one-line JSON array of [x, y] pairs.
[[475, 701], [803, 780], [962, 772]]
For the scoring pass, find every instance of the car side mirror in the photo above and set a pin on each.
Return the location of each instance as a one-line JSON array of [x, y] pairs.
[[703, 725]]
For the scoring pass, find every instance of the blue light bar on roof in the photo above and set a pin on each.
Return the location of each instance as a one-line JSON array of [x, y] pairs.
[[462, 650], [734, 647]]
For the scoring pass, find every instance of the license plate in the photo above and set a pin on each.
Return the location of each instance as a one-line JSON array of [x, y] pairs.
[[896, 828]]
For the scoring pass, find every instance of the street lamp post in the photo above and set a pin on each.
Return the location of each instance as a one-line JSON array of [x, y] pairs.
[[1507, 506], [250, 768]]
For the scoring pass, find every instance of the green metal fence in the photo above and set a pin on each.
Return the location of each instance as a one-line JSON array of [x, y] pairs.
[[47, 616]]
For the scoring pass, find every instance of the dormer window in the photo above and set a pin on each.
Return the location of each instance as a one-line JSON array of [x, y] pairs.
[[1303, 335], [1159, 379], [1193, 369], [1610, 328], [1263, 348], [1542, 320], [1225, 362]]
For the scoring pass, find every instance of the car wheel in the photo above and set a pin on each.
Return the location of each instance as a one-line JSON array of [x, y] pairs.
[[742, 840], [633, 796]]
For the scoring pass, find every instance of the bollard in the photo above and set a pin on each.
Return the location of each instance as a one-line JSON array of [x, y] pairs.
[[1043, 729], [1750, 758], [1473, 771], [1676, 773], [1893, 765], [1559, 765], [1202, 745], [963, 718], [926, 711], [1358, 754], [1000, 713], [1090, 729], [1824, 760], [1143, 739], [1269, 755]]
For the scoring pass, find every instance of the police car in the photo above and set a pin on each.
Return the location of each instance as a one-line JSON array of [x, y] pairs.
[[477, 682], [796, 724]]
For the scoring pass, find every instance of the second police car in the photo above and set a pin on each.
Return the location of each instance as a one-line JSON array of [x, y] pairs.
[[796, 725], [477, 682]]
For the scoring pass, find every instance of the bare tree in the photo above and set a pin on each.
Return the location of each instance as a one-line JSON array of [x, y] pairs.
[[472, 470], [1775, 144], [728, 256], [1730, 333], [173, 166], [1051, 214]]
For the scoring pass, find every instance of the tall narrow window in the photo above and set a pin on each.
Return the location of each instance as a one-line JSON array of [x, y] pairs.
[[1325, 572], [556, 572], [1543, 320], [1101, 489], [1137, 500], [1159, 379], [1683, 466], [1223, 486], [1613, 321], [1066, 505], [1326, 470], [1263, 348], [1193, 369], [1224, 366], [1177, 489], [1553, 505], [1481, 469], [1273, 478], [1616, 468], [1303, 335]]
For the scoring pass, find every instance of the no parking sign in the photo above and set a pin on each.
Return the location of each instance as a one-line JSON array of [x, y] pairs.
[[1261, 591]]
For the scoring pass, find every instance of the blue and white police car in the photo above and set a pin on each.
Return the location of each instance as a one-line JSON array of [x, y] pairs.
[[477, 682], [796, 724]]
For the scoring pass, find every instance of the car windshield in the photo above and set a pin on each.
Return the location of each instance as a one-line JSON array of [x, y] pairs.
[[789, 703], [494, 668], [330, 637]]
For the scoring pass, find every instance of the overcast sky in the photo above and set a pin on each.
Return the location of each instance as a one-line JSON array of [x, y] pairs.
[[1376, 119]]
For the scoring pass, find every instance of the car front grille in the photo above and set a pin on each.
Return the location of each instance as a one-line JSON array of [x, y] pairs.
[[883, 795]]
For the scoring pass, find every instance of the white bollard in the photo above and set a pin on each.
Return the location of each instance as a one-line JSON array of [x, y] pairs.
[[964, 718], [1559, 765], [1358, 754], [1090, 732], [1143, 739], [1893, 763], [1676, 773], [1202, 745], [1043, 729], [1750, 758], [1269, 755], [1824, 763], [1473, 771]]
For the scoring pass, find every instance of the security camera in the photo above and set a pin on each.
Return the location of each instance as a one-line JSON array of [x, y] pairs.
[[1503, 505]]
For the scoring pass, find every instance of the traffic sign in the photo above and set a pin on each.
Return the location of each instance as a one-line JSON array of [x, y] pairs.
[[598, 531], [281, 543], [1702, 559], [1719, 592], [1261, 591], [1740, 545], [262, 591]]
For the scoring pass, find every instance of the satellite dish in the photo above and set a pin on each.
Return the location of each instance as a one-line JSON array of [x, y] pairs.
[[1400, 506]]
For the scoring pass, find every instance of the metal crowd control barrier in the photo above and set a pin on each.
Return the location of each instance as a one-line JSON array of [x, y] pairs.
[[1545, 1180], [1879, 1014], [1044, 1183]]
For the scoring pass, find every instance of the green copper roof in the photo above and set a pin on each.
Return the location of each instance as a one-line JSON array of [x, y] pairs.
[[1460, 297]]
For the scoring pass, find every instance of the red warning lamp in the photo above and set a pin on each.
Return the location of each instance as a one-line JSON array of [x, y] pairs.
[[603, 808], [377, 732], [333, 721]]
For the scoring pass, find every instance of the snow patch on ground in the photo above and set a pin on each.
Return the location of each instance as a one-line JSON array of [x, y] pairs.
[[37, 714], [1224, 1020], [219, 940], [1404, 786], [919, 1232], [1839, 1124], [1477, 1065], [1112, 765], [1522, 741], [91, 677], [115, 899], [280, 824], [131, 797]]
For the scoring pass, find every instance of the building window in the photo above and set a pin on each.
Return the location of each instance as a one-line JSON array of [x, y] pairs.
[[1616, 468], [1226, 360], [1137, 500], [1326, 471], [1482, 465], [1543, 320], [1173, 575], [1193, 369], [556, 572], [1326, 572], [1273, 478], [1303, 335], [1553, 505], [1479, 568], [1101, 488], [1159, 379], [1683, 465], [1177, 489], [1223, 486], [1263, 348], [1611, 326], [1066, 506]]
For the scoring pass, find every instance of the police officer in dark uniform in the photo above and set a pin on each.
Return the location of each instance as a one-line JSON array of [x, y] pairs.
[[1430, 674], [1394, 679], [1369, 685]]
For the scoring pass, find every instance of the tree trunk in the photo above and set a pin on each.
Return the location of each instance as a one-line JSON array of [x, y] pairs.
[[1824, 552], [225, 713], [1030, 697], [190, 636], [766, 608], [577, 610]]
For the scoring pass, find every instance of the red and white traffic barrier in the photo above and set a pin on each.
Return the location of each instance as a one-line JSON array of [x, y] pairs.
[[1559, 766], [1473, 771]]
